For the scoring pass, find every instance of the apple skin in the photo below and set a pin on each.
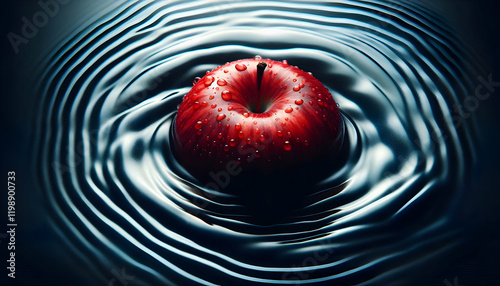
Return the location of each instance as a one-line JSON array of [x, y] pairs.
[[218, 126]]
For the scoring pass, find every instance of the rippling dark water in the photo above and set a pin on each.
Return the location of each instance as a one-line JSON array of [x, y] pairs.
[[389, 214]]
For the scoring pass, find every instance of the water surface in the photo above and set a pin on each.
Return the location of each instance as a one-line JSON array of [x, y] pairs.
[[119, 197]]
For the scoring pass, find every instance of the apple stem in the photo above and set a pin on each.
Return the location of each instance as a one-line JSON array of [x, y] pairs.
[[261, 66]]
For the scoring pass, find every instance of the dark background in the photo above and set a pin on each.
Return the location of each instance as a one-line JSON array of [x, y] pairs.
[[39, 259]]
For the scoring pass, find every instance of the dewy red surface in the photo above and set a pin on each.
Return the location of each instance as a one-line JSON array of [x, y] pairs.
[[227, 117]]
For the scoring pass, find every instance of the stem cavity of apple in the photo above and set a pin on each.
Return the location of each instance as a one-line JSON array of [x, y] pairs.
[[261, 66]]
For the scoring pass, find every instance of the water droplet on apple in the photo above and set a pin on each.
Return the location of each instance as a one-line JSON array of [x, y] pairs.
[[287, 146], [199, 131], [213, 105], [198, 125], [289, 110], [269, 65], [255, 123], [208, 80], [196, 79], [221, 82], [226, 71], [294, 80], [220, 116], [226, 147], [240, 67], [320, 102], [237, 126], [262, 138], [211, 97], [285, 62], [229, 108], [249, 141], [306, 142], [283, 123], [220, 109], [219, 135], [257, 57], [301, 85], [196, 105], [299, 101], [245, 115], [204, 103], [257, 130], [226, 95], [280, 133], [240, 135], [257, 153], [296, 88], [232, 142]]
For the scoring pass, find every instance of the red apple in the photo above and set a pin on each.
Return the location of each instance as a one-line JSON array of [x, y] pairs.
[[255, 116]]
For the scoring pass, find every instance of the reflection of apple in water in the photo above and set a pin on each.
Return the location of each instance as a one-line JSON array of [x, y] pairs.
[[256, 115]]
